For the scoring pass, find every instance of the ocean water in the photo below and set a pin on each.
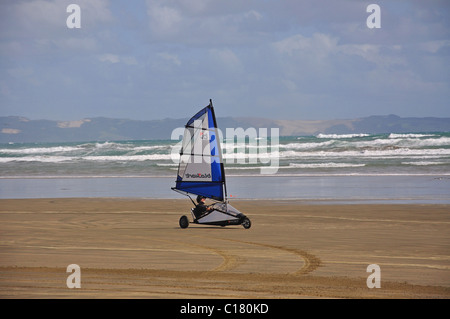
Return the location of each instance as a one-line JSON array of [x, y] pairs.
[[412, 167]]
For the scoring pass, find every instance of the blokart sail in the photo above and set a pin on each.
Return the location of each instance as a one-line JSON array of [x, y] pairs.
[[201, 171]]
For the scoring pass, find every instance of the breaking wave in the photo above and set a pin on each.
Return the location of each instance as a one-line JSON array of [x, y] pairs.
[[408, 153], [341, 135]]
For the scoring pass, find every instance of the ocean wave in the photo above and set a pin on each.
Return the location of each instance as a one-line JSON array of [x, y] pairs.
[[41, 159], [251, 155], [309, 145], [286, 154], [84, 149], [384, 153], [229, 147], [129, 146], [40, 150], [151, 148], [338, 136], [410, 135], [61, 159], [125, 158], [399, 152], [125, 146], [362, 145], [429, 142], [325, 165], [245, 167], [349, 153], [424, 163]]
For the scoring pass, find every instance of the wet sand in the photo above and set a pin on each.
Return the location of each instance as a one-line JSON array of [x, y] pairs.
[[134, 248]]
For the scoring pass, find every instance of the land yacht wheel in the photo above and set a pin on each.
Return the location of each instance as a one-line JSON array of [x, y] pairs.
[[246, 223], [184, 221]]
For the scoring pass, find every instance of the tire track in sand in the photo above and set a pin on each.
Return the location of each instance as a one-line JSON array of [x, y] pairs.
[[229, 261], [310, 262]]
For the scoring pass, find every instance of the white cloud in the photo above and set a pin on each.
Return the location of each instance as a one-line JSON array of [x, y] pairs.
[[129, 60], [114, 58], [382, 55], [94, 11], [226, 57], [164, 20], [205, 22], [74, 44], [108, 57], [40, 13], [319, 44], [320, 47], [290, 85], [38, 27], [253, 14], [25, 74], [226, 63], [21, 72], [434, 46], [39, 17], [172, 58], [195, 6], [286, 52]]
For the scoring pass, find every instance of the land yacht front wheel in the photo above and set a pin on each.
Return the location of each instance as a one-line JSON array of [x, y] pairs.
[[246, 223]]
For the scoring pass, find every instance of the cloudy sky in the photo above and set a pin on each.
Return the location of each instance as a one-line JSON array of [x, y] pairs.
[[286, 59]]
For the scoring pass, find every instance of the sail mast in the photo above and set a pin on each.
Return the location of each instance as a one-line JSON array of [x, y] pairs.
[[222, 168]]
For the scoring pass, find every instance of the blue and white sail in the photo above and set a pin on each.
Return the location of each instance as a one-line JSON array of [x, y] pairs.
[[201, 170]]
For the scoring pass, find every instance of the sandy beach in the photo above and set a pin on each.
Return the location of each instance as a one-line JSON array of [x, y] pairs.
[[134, 248]]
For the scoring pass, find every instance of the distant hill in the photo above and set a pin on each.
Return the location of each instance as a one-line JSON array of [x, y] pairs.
[[21, 130]]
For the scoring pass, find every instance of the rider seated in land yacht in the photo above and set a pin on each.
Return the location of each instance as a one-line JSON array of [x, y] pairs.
[[201, 208]]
